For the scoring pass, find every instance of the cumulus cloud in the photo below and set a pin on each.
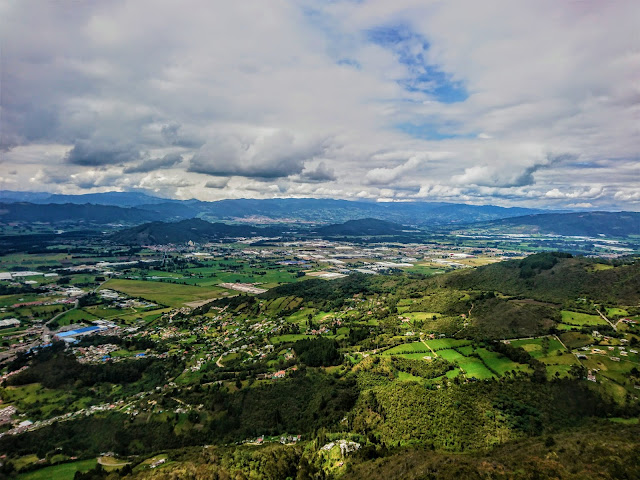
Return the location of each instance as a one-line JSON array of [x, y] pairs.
[[510, 167], [268, 155], [219, 182], [151, 164], [320, 173], [90, 154]]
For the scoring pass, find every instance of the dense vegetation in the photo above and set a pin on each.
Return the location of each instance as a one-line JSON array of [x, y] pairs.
[[318, 352]]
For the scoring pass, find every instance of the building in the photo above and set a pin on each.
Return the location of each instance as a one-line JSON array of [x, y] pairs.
[[9, 323], [70, 335]]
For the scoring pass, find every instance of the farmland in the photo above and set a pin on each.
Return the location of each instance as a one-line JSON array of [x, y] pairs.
[[64, 471], [576, 318], [164, 293]]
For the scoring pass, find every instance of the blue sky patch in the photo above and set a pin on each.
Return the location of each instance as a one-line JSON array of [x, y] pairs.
[[410, 48], [429, 131]]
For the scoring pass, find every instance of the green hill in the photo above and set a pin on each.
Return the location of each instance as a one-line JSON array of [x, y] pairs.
[[555, 277], [194, 229], [591, 224]]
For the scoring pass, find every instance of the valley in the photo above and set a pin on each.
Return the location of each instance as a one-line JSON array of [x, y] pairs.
[[240, 343]]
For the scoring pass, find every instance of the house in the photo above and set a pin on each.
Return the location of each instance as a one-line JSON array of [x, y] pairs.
[[279, 374]]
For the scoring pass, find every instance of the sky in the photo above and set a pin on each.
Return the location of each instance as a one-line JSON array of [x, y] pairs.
[[528, 103]]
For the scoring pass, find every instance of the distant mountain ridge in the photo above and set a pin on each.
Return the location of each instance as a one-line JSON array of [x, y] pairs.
[[588, 224], [118, 199], [314, 210], [52, 213]]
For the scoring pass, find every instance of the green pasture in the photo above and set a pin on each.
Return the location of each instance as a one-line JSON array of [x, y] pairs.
[[444, 343], [576, 318], [415, 347], [421, 316], [535, 346], [42, 402], [163, 293], [63, 471], [616, 312], [576, 339], [75, 316], [290, 337]]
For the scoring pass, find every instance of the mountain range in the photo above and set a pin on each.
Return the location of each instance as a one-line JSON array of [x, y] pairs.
[[285, 210]]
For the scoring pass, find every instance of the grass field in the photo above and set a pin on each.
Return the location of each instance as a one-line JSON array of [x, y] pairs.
[[536, 349], [424, 269], [499, 363], [24, 397], [8, 300], [415, 347], [472, 366], [576, 339], [268, 274], [163, 293], [616, 312], [576, 318], [75, 316], [65, 471], [290, 337], [146, 316], [444, 343], [423, 316]]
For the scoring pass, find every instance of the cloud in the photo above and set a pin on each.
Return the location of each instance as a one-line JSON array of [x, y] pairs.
[[89, 154], [219, 182], [319, 173], [350, 94], [172, 135], [169, 160], [267, 155], [385, 176], [510, 167]]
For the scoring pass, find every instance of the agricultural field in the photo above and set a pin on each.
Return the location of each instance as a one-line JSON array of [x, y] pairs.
[[164, 293], [63, 471], [75, 316], [539, 347], [577, 318], [616, 312], [445, 343], [410, 348], [576, 339], [425, 269], [422, 316]]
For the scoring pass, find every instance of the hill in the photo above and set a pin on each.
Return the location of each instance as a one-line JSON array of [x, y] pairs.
[[365, 226], [555, 277], [194, 229], [590, 224]]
